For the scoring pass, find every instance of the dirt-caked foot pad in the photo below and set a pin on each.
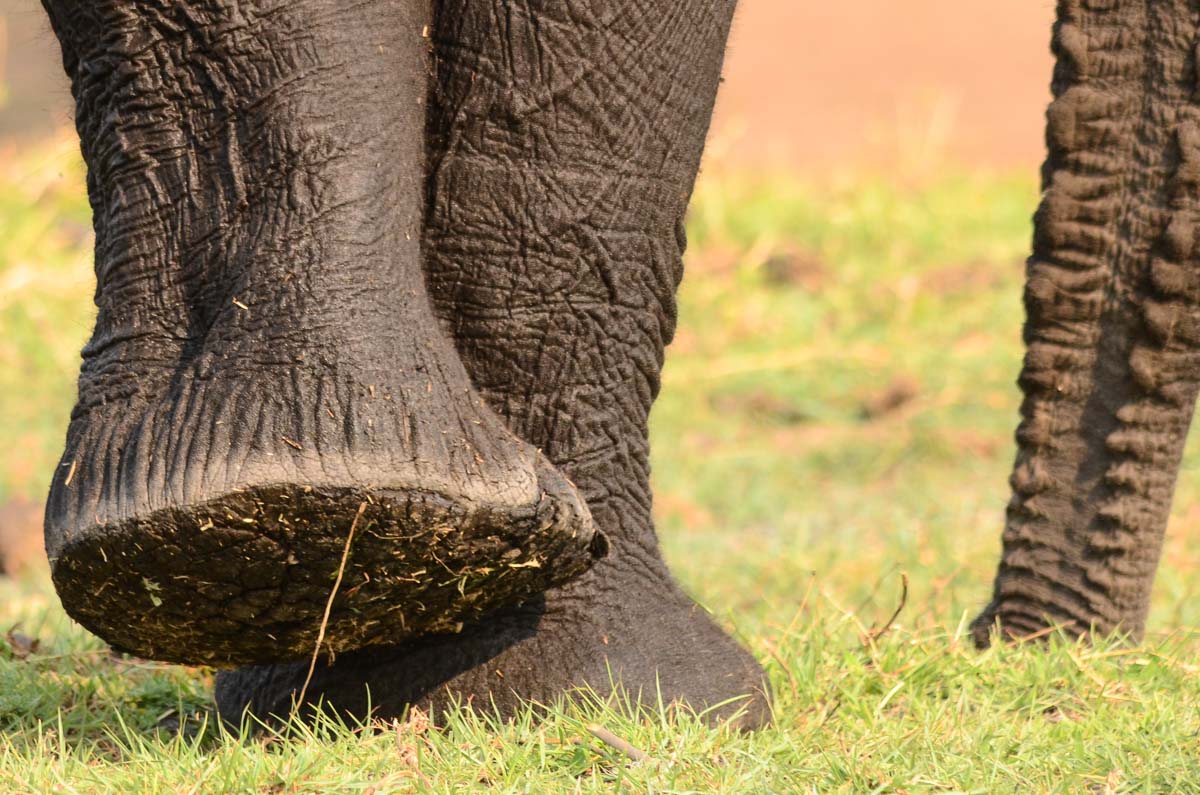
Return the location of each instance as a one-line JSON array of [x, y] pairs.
[[247, 578]]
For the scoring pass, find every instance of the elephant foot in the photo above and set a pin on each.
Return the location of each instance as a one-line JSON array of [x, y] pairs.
[[311, 465], [246, 576], [171, 560], [215, 524], [618, 628]]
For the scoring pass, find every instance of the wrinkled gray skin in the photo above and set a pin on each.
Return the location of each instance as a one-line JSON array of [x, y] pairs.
[[288, 193]]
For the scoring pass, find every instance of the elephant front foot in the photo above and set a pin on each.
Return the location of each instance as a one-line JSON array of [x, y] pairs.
[[615, 628], [214, 510]]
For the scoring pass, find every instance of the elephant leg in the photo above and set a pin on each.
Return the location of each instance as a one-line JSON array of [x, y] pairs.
[[1113, 323], [268, 407], [564, 142]]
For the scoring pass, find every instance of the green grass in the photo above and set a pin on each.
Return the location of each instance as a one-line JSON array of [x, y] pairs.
[[837, 411]]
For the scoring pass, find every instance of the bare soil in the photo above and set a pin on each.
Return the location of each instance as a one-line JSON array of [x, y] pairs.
[[812, 84]]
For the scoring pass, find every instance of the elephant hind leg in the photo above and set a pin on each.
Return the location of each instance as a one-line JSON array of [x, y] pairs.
[[1113, 324], [267, 377]]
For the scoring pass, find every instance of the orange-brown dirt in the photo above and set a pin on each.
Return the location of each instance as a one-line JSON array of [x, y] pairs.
[[813, 85]]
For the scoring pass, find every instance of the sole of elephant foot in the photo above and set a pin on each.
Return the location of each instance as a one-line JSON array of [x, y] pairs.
[[637, 646], [248, 577]]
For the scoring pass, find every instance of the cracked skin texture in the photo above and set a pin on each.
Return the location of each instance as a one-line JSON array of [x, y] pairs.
[[266, 360]]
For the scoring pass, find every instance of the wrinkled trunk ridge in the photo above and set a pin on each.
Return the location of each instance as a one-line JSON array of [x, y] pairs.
[[1113, 334]]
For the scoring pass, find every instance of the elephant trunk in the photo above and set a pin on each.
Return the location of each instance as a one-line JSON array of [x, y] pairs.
[[1113, 328]]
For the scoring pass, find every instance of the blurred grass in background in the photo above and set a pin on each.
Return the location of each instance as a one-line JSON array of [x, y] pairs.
[[838, 408], [46, 306]]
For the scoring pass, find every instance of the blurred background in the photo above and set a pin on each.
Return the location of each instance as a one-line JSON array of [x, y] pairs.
[[818, 84], [839, 402]]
